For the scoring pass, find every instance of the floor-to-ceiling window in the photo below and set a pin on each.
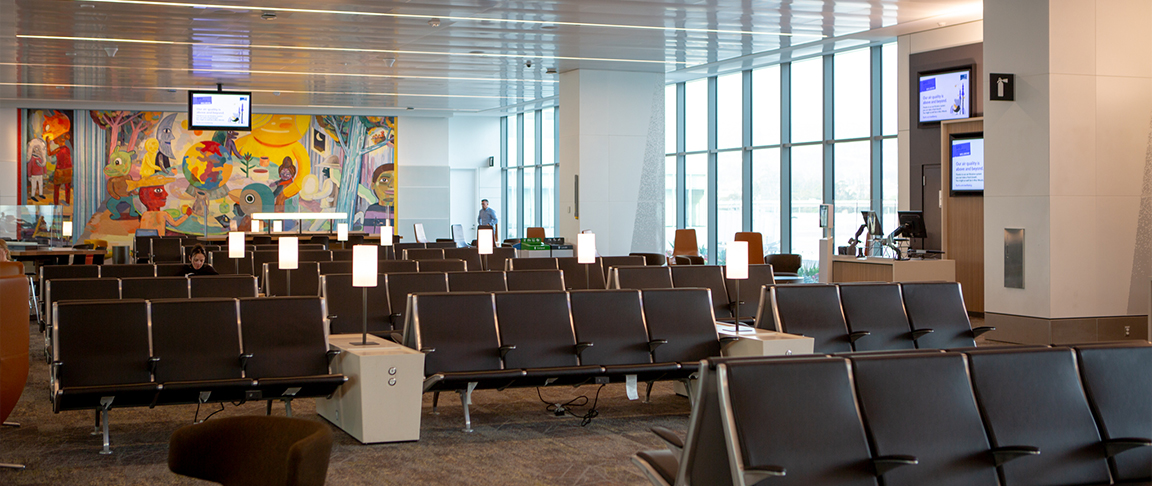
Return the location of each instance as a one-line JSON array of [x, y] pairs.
[[761, 150], [530, 160]]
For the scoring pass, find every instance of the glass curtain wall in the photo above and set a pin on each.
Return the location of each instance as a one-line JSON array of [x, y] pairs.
[[761, 149], [529, 152]]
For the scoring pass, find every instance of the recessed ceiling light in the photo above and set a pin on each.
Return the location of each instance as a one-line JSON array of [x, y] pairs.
[[411, 108], [268, 15], [69, 54], [549, 27], [434, 22], [475, 52], [550, 70]]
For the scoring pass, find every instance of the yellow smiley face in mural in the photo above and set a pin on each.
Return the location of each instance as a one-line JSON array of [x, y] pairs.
[[277, 137]]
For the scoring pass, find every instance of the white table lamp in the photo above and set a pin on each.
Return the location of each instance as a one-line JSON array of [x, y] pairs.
[[736, 268], [277, 226], [364, 274], [341, 231], [586, 253], [289, 257], [484, 244]]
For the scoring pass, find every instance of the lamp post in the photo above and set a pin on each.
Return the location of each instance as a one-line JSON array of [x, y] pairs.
[[586, 254], [386, 239], [736, 269], [364, 273], [289, 257], [484, 245], [236, 248]]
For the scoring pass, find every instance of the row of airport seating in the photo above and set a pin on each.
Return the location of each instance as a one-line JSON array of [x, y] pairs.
[[995, 417], [725, 292], [842, 318], [143, 353], [495, 340]]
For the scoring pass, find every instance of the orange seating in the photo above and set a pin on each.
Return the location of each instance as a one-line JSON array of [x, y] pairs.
[[13, 335], [755, 246], [534, 232]]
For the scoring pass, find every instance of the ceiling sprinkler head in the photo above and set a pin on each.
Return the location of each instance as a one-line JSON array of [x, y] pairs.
[[434, 22], [111, 51], [528, 64]]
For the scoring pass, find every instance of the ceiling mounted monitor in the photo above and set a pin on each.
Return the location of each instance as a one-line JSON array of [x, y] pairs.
[[220, 110]]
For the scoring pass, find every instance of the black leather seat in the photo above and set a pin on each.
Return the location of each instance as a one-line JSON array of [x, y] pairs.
[[655, 259], [1033, 398], [500, 255], [681, 328], [336, 266], [531, 264], [423, 254], [305, 279], [1121, 400], [581, 275], [710, 277], [812, 311], [225, 265], [342, 255], [127, 270], [69, 289], [400, 284], [220, 286], [167, 250], [396, 266], [346, 305], [100, 358], [471, 256], [314, 255], [170, 270], [49, 272], [400, 247], [607, 262], [535, 279], [813, 437], [441, 265], [922, 404], [759, 275], [154, 288], [477, 282], [288, 348], [611, 333], [640, 277], [536, 336], [457, 332], [196, 353], [939, 306], [878, 309]]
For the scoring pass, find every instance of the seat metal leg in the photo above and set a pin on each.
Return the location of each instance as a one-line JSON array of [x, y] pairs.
[[11, 424], [648, 392], [288, 407], [96, 427], [466, 400], [435, 400], [105, 405], [269, 411], [11, 466]]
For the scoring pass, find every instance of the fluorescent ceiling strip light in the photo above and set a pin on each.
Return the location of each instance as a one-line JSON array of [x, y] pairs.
[[336, 49], [447, 17], [283, 216], [282, 91], [294, 73]]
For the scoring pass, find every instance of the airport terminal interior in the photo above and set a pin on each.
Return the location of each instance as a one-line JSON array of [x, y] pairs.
[[576, 243]]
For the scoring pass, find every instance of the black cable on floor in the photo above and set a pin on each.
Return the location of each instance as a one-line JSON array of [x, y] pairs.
[[565, 408]]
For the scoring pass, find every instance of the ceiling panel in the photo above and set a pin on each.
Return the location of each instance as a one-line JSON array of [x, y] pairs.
[[436, 56]]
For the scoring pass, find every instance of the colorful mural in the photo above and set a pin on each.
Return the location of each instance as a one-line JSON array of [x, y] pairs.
[[146, 170]]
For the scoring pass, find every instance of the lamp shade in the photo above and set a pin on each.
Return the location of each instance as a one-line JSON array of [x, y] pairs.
[[232, 225], [737, 260], [255, 226], [277, 226], [484, 241], [236, 244], [364, 266], [67, 229], [289, 253], [586, 248], [341, 231], [386, 235]]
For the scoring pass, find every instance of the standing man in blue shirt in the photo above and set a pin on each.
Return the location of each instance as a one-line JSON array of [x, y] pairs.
[[487, 215]]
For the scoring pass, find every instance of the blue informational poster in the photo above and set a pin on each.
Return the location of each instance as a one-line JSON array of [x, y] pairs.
[[967, 164], [945, 96]]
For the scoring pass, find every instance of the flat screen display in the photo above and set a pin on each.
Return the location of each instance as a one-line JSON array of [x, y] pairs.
[[219, 110], [968, 164], [945, 95]]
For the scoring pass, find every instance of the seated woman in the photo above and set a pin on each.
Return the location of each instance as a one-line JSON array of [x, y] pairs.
[[196, 265]]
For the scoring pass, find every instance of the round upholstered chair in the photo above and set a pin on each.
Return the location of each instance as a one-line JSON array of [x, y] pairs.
[[253, 450]]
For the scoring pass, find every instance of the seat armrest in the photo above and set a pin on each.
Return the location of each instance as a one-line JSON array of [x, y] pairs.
[[855, 336], [1001, 455], [331, 317], [753, 475], [427, 350], [1121, 444], [55, 370], [884, 464], [332, 354], [152, 363], [981, 330], [656, 343], [580, 347], [670, 439], [505, 349], [244, 361], [919, 333]]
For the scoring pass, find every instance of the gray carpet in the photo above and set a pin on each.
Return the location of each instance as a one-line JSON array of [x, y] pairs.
[[516, 441]]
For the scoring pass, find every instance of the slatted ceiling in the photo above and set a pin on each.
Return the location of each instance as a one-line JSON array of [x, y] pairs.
[[87, 73]]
